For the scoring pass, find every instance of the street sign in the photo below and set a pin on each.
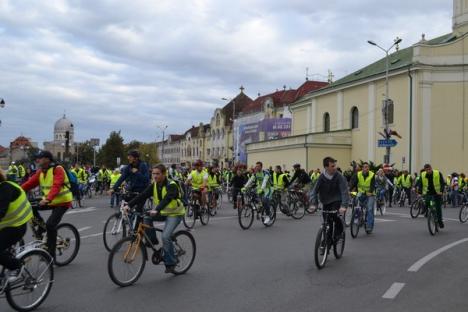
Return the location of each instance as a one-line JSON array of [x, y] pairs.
[[94, 142], [387, 143]]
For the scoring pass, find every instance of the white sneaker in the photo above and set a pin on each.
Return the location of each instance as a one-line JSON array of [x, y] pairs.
[[267, 220], [15, 275]]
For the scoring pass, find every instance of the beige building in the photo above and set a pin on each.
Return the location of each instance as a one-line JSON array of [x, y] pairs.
[[193, 144], [430, 111], [57, 146], [169, 150]]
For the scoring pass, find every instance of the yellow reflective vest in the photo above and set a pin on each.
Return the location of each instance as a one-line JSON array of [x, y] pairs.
[[435, 179], [47, 180], [175, 208], [19, 211], [364, 184]]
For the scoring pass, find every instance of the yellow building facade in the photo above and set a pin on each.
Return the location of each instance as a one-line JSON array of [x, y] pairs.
[[428, 86]]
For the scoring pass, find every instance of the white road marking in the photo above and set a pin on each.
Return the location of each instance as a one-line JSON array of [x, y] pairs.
[[398, 214], [383, 220], [91, 235], [81, 210], [393, 291], [421, 262], [84, 228]]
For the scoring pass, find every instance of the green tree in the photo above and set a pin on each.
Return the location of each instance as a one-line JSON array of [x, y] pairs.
[[111, 150], [148, 153], [132, 145], [84, 153]]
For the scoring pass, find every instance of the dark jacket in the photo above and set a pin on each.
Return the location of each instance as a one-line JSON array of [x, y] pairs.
[[8, 194], [331, 191], [138, 181], [300, 177]]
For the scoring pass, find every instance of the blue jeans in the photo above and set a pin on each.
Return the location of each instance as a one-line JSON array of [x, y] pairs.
[[115, 198], [369, 201], [168, 245]]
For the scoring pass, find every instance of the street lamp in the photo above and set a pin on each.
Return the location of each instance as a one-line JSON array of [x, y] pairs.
[[386, 102], [163, 129], [2, 105]]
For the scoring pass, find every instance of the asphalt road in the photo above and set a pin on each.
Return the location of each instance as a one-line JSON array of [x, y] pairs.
[[272, 269]]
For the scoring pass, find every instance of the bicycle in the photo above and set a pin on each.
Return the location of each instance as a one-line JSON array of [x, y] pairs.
[[432, 220], [359, 216], [380, 203], [118, 226], [253, 206], [68, 239], [326, 238], [35, 283], [418, 207], [132, 253], [296, 204], [195, 210], [277, 202], [214, 204], [463, 214]]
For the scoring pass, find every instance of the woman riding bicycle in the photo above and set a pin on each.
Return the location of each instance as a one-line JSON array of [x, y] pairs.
[[168, 206], [15, 212]]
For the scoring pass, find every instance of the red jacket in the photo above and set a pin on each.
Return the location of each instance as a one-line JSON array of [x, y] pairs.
[[59, 178]]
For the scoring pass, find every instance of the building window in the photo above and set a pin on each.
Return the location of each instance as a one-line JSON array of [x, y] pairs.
[[354, 118], [217, 120], [326, 122]]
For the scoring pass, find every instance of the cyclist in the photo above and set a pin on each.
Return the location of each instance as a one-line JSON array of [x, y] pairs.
[[332, 189], [364, 182], [168, 207], [213, 184], [432, 184], [15, 212], [238, 181], [390, 174], [406, 181], [262, 180], [115, 196], [56, 194], [135, 175], [381, 184], [198, 178], [12, 173], [301, 178]]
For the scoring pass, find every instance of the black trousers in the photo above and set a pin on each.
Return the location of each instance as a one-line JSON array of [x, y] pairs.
[[335, 217], [8, 237], [51, 226], [408, 194], [235, 192]]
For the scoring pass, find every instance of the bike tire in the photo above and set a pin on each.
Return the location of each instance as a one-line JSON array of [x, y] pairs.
[[186, 249], [415, 210], [463, 214], [431, 223], [204, 215], [321, 249], [347, 217], [298, 211], [338, 246], [65, 239], [110, 231], [48, 274], [122, 247], [355, 223], [245, 216], [190, 217], [272, 217]]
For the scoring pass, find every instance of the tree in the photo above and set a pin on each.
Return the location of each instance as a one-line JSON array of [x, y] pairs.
[[148, 153], [132, 145], [84, 153], [111, 150]]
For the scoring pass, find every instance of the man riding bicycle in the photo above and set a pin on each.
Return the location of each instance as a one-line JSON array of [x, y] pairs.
[[56, 194], [331, 189], [198, 178], [262, 180], [432, 184], [15, 212], [364, 182], [168, 207], [213, 184]]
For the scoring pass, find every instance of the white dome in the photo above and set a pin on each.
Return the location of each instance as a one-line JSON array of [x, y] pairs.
[[63, 124]]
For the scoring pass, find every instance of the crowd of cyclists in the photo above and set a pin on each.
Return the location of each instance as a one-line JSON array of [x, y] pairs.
[[172, 191]]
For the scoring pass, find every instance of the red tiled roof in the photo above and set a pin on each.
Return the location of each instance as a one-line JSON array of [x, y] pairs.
[[2, 149], [241, 101], [20, 141], [308, 86]]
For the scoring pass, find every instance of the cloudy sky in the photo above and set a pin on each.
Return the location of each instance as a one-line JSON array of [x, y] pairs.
[[133, 65]]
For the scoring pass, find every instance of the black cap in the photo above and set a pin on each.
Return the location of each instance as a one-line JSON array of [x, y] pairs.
[[134, 153], [297, 166], [45, 154], [427, 166]]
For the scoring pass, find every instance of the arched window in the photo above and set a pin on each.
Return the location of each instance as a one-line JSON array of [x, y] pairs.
[[354, 118], [217, 120], [326, 122]]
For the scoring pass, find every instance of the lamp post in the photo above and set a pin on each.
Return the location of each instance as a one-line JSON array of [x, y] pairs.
[[2, 105], [387, 99], [163, 129]]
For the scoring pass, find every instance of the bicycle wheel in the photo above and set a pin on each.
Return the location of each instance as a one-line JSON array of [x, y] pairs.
[[246, 216], [38, 276], [185, 251], [68, 244], [298, 211], [431, 222], [190, 216], [414, 209], [272, 216], [338, 246], [463, 215], [321, 248], [204, 215], [126, 261], [115, 229], [355, 223], [348, 217]]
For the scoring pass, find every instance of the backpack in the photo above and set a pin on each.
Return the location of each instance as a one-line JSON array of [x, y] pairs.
[[74, 185]]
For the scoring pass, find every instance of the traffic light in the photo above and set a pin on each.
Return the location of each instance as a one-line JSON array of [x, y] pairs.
[[67, 135]]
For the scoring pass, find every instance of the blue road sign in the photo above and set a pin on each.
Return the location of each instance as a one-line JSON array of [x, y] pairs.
[[387, 143]]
